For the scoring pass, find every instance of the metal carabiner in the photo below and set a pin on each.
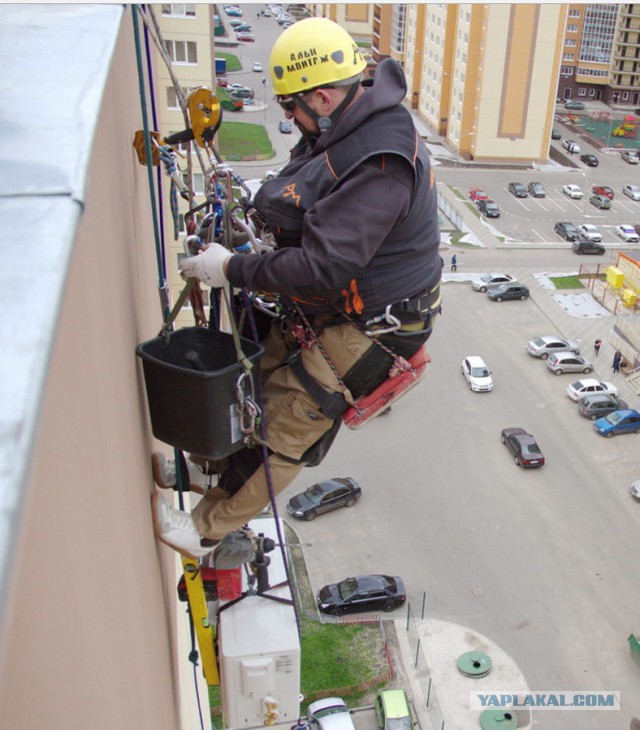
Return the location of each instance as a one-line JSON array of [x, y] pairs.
[[394, 323], [247, 407]]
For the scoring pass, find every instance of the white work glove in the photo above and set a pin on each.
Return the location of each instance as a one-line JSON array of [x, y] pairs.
[[207, 266]]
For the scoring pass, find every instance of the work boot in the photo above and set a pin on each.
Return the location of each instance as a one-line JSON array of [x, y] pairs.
[[176, 529], [235, 549], [164, 473]]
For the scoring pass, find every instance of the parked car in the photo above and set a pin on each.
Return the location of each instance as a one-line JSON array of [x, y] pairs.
[[589, 160], [571, 146], [329, 713], [517, 189], [477, 194], [237, 87], [477, 374], [590, 386], [625, 421], [600, 201], [598, 406], [588, 247], [573, 191], [241, 93], [589, 232], [514, 290], [632, 191], [284, 126], [324, 497], [568, 362], [392, 710], [523, 446], [486, 281], [555, 133], [537, 190], [362, 593], [635, 489], [574, 104], [544, 346], [245, 37], [630, 156], [236, 22], [603, 190], [627, 233], [489, 208], [233, 11], [242, 28], [567, 230], [270, 174], [257, 66]]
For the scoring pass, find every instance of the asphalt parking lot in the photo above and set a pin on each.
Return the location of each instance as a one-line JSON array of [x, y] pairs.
[[540, 561]]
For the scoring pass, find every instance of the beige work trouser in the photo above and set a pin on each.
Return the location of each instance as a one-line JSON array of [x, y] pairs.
[[293, 419]]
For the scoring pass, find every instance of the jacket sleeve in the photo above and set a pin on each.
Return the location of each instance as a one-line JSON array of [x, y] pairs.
[[340, 236]]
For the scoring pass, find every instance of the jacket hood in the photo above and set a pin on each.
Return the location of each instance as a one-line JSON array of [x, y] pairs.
[[389, 88]]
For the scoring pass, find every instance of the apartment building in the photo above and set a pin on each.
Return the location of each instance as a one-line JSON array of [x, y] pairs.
[[484, 76], [587, 49], [601, 54]]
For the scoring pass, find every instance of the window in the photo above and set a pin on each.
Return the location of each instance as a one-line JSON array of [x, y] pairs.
[[566, 71], [181, 10], [574, 13], [182, 51], [570, 43], [582, 92], [397, 27], [572, 29], [568, 57]]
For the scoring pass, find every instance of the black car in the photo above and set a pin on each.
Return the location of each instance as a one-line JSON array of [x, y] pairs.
[[596, 405], [489, 208], [363, 593], [517, 189], [537, 190], [567, 230], [590, 160], [523, 446], [323, 497], [512, 290], [556, 134], [585, 246]]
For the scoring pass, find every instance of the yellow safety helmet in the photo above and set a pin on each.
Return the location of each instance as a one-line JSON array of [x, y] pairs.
[[312, 53]]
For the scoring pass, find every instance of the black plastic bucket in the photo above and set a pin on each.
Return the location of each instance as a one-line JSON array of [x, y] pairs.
[[191, 386]]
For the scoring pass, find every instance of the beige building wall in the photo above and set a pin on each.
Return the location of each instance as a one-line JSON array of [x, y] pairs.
[[88, 629]]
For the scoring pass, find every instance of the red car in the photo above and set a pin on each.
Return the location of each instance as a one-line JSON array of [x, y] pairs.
[[477, 194], [245, 37], [603, 190], [221, 82]]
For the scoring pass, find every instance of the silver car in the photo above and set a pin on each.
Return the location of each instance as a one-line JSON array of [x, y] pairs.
[[547, 345], [568, 362], [486, 281]]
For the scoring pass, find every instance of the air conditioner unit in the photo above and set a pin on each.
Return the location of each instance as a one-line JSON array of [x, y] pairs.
[[259, 651]]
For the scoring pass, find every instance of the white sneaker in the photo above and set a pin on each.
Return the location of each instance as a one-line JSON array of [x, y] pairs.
[[177, 529], [164, 473]]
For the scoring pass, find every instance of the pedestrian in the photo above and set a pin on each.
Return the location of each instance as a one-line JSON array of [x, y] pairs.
[[596, 346], [354, 215], [616, 361], [454, 263]]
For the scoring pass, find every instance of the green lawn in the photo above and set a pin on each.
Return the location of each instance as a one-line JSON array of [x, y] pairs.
[[566, 282]]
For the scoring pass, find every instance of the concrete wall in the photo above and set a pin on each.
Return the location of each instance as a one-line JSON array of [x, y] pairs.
[[88, 631]]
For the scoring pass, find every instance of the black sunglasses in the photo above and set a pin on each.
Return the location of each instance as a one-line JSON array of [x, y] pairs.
[[287, 103]]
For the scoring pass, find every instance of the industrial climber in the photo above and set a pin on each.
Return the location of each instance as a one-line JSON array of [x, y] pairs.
[[356, 267]]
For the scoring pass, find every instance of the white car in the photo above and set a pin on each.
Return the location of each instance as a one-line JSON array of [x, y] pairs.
[[590, 232], [627, 233], [477, 374], [573, 191], [257, 66], [270, 174], [590, 386], [571, 145], [542, 347], [330, 713], [632, 191], [486, 281], [635, 489], [630, 156]]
